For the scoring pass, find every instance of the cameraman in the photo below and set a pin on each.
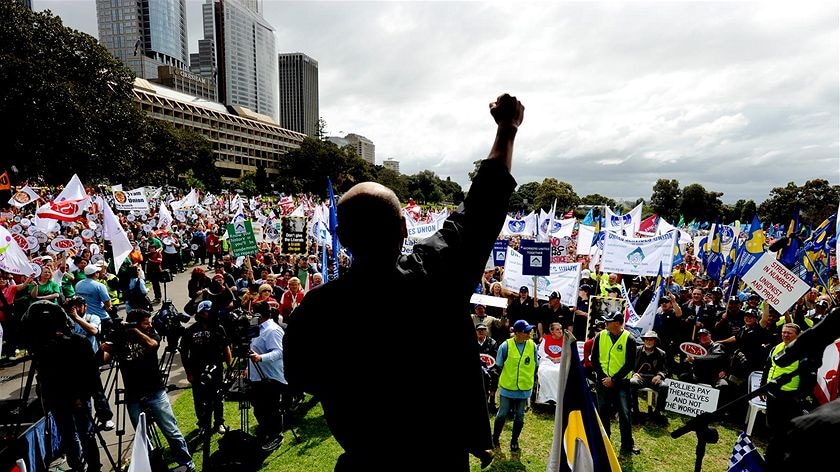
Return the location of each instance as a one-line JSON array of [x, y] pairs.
[[135, 346], [203, 350], [268, 381], [68, 376]]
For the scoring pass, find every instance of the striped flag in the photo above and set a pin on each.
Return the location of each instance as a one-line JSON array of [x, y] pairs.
[[745, 457], [580, 442]]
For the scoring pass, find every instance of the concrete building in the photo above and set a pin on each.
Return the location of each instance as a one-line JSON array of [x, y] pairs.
[[144, 34], [392, 164], [240, 138], [187, 82], [363, 146], [298, 93], [238, 52]]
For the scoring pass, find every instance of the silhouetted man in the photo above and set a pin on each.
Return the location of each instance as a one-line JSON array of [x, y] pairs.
[[380, 408]]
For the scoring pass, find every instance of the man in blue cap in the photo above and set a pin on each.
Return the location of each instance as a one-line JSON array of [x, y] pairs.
[[517, 359]]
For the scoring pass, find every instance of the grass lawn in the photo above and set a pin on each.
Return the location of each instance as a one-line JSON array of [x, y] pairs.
[[317, 450]]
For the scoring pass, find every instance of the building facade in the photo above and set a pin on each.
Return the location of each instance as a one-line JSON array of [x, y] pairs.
[[364, 147], [144, 34], [241, 139], [392, 164], [238, 52], [298, 93]]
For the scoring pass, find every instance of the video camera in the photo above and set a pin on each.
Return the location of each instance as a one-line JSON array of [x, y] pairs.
[[169, 322], [242, 327]]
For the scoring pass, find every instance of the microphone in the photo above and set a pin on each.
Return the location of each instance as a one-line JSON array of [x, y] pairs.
[[812, 341]]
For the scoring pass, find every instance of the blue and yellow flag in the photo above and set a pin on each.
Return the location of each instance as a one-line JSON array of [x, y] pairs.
[[580, 442], [751, 250], [714, 257], [788, 254]]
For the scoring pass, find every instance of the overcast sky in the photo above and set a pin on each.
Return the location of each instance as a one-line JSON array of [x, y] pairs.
[[740, 97]]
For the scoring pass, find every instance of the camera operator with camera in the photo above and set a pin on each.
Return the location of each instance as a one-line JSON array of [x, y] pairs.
[[268, 381], [204, 348], [68, 375], [135, 344]]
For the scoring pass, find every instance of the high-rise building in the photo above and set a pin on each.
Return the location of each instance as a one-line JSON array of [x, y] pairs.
[[144, 34], [298, 93], [239, 53], [26, 3], [363, 146], [392, 164]]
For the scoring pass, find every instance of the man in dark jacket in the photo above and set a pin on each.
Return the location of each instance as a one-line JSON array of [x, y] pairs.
[[650, 372], [372, 428]]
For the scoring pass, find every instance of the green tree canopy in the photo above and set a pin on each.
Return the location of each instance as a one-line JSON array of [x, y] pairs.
[[551, 189], [816, 200], [665, 199]]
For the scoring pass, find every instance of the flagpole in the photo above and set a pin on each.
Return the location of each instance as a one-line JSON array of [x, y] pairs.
[[557, 440]]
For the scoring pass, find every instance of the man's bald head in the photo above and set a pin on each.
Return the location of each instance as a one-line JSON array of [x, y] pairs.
[[370, 219]]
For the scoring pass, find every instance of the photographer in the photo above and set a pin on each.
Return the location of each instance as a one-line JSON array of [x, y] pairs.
[[203, 350], [268, 381], [135, 345], [68, 376]]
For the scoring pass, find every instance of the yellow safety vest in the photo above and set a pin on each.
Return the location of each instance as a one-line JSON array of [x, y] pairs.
[[613, 356], [776, 371], [519, 369]]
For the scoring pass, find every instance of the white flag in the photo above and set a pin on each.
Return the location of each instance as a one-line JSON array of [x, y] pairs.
[[23, 197], [140, 461], [12, 258], [164, 216], [113, 231]]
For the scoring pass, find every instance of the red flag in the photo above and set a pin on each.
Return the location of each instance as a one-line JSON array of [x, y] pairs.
[[5, 183], [66, 210], [569, 214]]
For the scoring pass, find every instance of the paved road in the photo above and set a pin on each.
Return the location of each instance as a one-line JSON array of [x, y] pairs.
[[13, 381]]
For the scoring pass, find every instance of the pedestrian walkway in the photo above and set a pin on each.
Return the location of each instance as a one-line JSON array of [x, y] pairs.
[[14, 375]]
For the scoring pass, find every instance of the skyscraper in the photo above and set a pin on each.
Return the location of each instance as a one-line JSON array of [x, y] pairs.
[[238, 49], [298, 93], [144, 34]]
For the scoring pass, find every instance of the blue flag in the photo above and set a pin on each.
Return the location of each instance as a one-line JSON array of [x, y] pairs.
[[788, 254], [581, 442], [588, 220], [751, 250], [336, 247], [745, 457]]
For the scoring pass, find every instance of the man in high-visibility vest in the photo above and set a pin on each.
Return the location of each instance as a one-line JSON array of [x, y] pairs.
[[613, 357], [783, 404], [517, 359]]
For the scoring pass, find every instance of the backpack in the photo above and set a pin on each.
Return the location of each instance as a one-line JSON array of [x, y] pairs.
[[137, 299], [239, 451]]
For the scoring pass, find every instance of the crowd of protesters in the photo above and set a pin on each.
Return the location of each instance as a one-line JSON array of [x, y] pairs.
[[737, 329]]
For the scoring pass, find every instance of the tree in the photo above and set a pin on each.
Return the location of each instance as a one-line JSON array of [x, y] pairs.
[[816, 201], [698, 204], [70, 99], [393, 180], [665, 199], [524, 197], [261, 179], [551, 189], [748, 210], [598, 199], [452, 191], [424, 187]]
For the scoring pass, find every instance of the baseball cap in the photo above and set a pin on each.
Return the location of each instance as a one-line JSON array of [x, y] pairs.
[[522, 326], [479, 305], [480, 326], [703, 331], [753, 295], [751, 313], [585, 273], [554, 294], [91, 269], [523, 288], [734, 298], [204, 306]]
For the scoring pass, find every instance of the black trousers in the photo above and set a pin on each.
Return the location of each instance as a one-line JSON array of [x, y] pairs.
[[208, 400], [266, 398]]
